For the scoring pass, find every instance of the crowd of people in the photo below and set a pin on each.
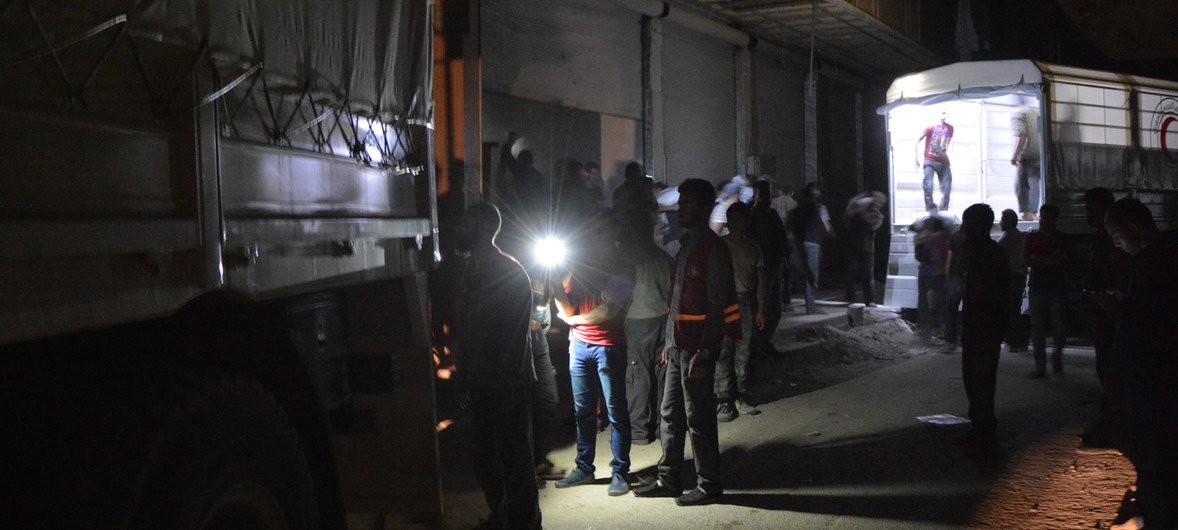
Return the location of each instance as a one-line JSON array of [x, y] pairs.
[[660, 347], [666, 297], [1127, 296]]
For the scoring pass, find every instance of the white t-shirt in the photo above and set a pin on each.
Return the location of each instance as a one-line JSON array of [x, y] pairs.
[[783, 205], [1025, 122]]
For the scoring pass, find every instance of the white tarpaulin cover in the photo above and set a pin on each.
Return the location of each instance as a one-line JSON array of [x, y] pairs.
[[963, 78]]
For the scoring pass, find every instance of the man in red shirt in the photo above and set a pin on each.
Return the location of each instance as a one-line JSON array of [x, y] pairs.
[[936, 160], [593, 301]]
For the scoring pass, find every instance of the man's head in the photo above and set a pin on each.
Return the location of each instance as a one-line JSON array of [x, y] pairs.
[[480, 225], [525, 157], [738, 218], [635, 171], [1048, 215], [933, 223], [573, 169], [634, 226], [814, 191], [1131, 225], [1009, 220], [1097, 201], [696, 198], [763, 194], [944, 117], [977, 220], [603, 232]]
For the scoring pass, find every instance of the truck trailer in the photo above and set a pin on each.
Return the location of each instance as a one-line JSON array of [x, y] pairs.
[[1094, 128], [217, 222]]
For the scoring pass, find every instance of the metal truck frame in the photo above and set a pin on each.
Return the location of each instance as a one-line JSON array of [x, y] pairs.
[[217, 221]]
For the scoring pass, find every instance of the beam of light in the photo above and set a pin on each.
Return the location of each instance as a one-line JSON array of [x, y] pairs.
[[550, 252]]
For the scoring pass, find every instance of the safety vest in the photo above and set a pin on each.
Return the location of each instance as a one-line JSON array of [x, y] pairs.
[[691, 315]]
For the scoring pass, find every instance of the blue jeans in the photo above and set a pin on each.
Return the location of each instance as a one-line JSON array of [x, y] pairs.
[[589, 363], [813, 253], [1048, 309], [945, 174]]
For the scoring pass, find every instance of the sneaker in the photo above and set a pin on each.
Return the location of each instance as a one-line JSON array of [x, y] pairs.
[[744, 408], [1036, 375], [697, 497], [815, 311], [549, 471], [657, 488], [726, 413], [576, 478], [617, 485]]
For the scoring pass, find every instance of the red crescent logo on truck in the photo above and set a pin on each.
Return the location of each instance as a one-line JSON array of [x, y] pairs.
[[1164, 116], [1162, 136]]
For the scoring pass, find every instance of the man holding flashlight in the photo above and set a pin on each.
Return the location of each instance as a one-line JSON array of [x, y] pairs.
[[703, 310], [592, 300]]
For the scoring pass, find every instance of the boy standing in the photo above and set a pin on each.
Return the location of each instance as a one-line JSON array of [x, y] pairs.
[[748, 271]]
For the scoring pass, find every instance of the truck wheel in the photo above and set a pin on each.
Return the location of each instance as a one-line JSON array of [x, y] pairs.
[[226, 458]]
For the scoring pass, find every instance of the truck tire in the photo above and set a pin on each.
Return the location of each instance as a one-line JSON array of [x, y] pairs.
[[225, 458]]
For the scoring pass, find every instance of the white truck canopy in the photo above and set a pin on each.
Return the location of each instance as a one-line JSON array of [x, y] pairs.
[[985, 79]]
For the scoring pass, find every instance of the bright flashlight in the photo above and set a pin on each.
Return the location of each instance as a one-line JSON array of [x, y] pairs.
[[550, 252]]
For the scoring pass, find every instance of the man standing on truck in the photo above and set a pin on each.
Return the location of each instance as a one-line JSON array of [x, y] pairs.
[[1024, 136], [936, 160], [495, 371]]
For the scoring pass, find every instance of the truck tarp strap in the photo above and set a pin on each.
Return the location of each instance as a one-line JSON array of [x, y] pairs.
[[229, 88], [121, 19]]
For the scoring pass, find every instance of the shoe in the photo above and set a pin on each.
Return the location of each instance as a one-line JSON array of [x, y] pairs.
[[1036, 375], [697, 497], [617, 485], [726, 413], [656, 488], [746, 409], [576, 478], [641, 440], [549, 471], [787, 308], [815, 311], [1027, 216]]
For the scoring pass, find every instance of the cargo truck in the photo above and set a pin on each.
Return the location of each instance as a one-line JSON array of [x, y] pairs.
[[216, 220], [1095, 128]]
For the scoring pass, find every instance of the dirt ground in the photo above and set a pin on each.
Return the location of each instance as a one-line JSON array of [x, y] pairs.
[[838, 446]]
